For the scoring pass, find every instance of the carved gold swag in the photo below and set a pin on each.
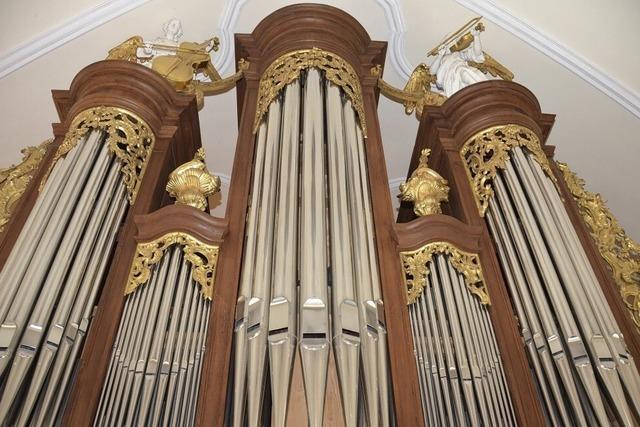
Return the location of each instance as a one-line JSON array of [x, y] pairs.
[[416, 269], [618, 250], [202, 256], [14, 180], [288, 67], [487, 151], [128, 137], [191, 183]]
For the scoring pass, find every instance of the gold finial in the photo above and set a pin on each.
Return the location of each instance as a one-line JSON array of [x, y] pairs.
[[191, 183], [426, 188]]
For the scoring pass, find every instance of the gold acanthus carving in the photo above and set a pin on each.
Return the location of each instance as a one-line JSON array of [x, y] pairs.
[[488, 150], [14, 180], [417, 92], [202, 256], [288, 67], [416, 269], [191, 183], [128, 137], [621, 254], [425, 188]]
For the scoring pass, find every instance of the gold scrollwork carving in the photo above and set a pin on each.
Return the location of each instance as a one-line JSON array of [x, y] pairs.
[[128, 136], [191, 183], [425, 188], [417, 91], [416, 269], [287, 68], [202, 256], [488, 150], [621, 254], [14, 180]]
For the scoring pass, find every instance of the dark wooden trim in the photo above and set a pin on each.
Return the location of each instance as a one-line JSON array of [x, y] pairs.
[[438, 228], [174, 120], [181, 218], [217, 360]]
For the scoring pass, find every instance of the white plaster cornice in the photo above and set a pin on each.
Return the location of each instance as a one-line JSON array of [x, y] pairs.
[[64, 33], [617, 91]]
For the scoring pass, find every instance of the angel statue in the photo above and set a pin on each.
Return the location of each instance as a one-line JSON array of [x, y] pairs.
[[460, 61]]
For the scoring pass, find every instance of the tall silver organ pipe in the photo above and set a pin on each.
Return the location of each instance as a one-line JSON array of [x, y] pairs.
[[461, 378], [52, 278], [309, 281], [585, 374], [154, 373]]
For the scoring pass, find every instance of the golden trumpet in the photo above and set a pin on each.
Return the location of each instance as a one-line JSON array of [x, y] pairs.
[[456, 39]]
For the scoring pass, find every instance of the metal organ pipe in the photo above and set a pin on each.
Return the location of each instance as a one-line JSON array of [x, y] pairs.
[[561, 302], [319, 247], [52, 277], [461, 377]]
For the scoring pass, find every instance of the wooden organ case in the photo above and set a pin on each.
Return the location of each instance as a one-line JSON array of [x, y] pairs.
[[307, 303]]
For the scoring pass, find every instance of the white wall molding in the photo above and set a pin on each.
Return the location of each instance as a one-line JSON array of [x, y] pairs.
[[394, 185], [64, 33], [397, 53], [617, 91]]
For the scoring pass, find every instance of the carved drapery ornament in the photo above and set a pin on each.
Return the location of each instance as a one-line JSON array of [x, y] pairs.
[[621, 254], [14, 180], [202, 256], [416, 269], [488, 150], [191, 183], [128, 137], [425, 188], [288, 67]]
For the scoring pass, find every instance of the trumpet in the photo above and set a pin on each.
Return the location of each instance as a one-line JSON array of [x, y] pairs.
[[460, 39]]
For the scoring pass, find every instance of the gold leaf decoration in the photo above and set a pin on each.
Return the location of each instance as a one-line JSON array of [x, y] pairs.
[[128, 136], [287, 68], [425, 188], [191, 183], [487, 151], [619, 251], [15, 179], [202, 256], [416, 269]]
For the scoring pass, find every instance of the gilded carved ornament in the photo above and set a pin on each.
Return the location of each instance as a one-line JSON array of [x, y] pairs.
[[416, 269], [186, 66], [288, 67], [488, 150], [15, 179], [202, 256], [416, 94], [191, 183], [621, 254], [128, 137], [425, 188]]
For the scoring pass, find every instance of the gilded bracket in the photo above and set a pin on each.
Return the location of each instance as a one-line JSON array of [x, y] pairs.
[[417, 92], [416, 269], [288, 67], [14, 180], [425, 188], [619, 251], [488, 150], [128, 137], [191, 183], [202, 256]]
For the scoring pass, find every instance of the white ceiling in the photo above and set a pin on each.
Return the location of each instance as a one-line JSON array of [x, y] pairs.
[[596, 135]]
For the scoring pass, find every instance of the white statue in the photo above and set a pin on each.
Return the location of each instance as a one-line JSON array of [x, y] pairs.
[[171, 39], [453, 65]]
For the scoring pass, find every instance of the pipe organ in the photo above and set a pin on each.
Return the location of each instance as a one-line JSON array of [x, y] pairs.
[[487, 300]]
